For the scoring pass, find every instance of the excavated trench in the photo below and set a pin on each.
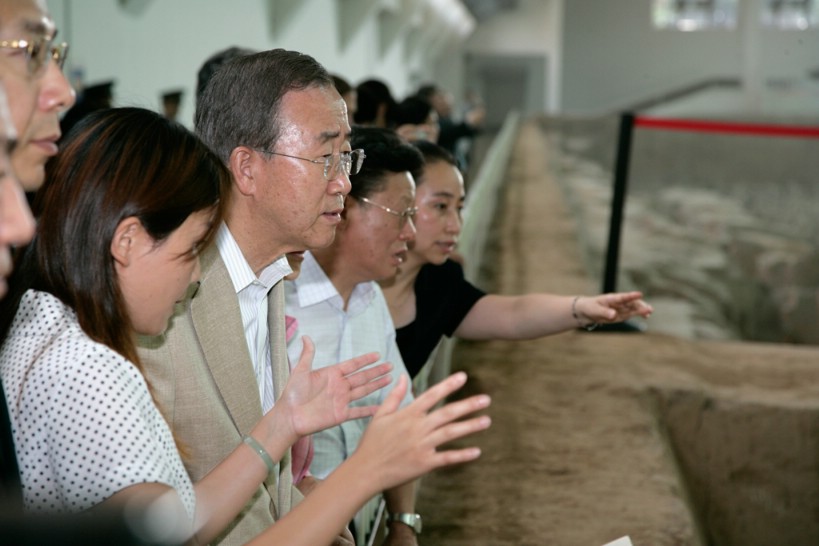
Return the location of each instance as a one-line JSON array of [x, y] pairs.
[[671, 441], [751, 469]]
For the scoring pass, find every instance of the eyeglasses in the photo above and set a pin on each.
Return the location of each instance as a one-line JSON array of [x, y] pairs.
[[351, 162], [403, 215], [38, 52]]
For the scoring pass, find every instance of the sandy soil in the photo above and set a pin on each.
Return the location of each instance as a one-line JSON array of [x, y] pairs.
[[600, 435]]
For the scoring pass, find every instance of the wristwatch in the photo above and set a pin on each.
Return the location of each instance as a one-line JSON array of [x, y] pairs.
[[412, 520]]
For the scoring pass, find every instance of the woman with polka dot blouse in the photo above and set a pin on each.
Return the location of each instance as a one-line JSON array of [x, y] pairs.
[[128, 203]]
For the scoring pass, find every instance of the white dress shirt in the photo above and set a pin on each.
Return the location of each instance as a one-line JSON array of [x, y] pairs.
[[366, 326], [252, 293]]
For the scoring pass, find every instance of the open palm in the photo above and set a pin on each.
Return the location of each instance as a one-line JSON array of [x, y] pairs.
[[320, 399]]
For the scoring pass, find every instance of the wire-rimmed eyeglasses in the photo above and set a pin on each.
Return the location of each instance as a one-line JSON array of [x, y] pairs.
[[403, 215], [351, 162], [38, 52]]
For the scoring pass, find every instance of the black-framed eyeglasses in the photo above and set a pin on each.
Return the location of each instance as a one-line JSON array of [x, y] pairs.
[[403, 215], [38, 52], [351, 162]]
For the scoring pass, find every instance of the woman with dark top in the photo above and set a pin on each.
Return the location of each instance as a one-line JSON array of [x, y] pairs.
[[430, 298], [127, 205]]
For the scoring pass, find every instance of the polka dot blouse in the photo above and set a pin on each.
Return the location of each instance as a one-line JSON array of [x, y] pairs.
[[84, 424]]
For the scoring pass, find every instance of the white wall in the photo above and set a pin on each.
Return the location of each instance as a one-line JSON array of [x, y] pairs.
[[600, 55], [150, 46], [533, 28], [612, 56]]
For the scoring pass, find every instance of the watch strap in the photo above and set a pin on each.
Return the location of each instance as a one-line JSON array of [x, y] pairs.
[[413, 521]]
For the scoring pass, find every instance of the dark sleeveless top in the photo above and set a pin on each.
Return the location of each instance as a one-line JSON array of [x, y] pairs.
[[443, 297]]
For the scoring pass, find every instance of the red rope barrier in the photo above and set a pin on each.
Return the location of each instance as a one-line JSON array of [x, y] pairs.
[[727, 127]]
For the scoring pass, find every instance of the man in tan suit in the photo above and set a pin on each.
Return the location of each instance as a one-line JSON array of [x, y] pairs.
[[280, 126]]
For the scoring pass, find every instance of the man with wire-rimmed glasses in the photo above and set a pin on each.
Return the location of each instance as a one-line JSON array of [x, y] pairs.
[[31, 70], [278, 124]]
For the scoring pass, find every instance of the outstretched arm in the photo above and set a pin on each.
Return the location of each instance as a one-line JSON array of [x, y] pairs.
[[534, 315]]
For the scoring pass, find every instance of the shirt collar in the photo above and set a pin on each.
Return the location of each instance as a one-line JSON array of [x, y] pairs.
[[241, 275], [313, 286]]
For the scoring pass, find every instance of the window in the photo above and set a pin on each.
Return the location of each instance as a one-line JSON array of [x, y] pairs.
[[690, 15], [791, 14]]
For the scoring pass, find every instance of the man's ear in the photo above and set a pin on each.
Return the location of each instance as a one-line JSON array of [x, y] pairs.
[[125, 239], [242, 163]]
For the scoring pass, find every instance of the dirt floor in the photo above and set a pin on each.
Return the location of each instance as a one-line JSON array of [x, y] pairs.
[[600, 435]]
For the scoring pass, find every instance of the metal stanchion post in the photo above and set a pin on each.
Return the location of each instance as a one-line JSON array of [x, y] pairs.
[[618, 202]]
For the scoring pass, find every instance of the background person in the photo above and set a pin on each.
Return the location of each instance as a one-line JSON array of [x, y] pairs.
[[414, 119], [98, 96], [214, 62], [455, 135], [171, 101], [349, 94], [374, 103]]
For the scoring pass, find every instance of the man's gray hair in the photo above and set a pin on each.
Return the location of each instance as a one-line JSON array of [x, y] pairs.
[[240, 105]]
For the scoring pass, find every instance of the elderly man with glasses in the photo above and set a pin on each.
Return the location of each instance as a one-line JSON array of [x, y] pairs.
[[278, 124], [31, 71], [338, 303]]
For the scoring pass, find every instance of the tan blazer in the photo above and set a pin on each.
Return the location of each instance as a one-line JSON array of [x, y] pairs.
[[203, 381]]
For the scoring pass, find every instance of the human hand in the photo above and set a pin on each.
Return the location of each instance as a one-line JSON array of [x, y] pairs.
[[475, 116], [407, 131], [415, 132], [400, 445], [610, 308], [318, 399]]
